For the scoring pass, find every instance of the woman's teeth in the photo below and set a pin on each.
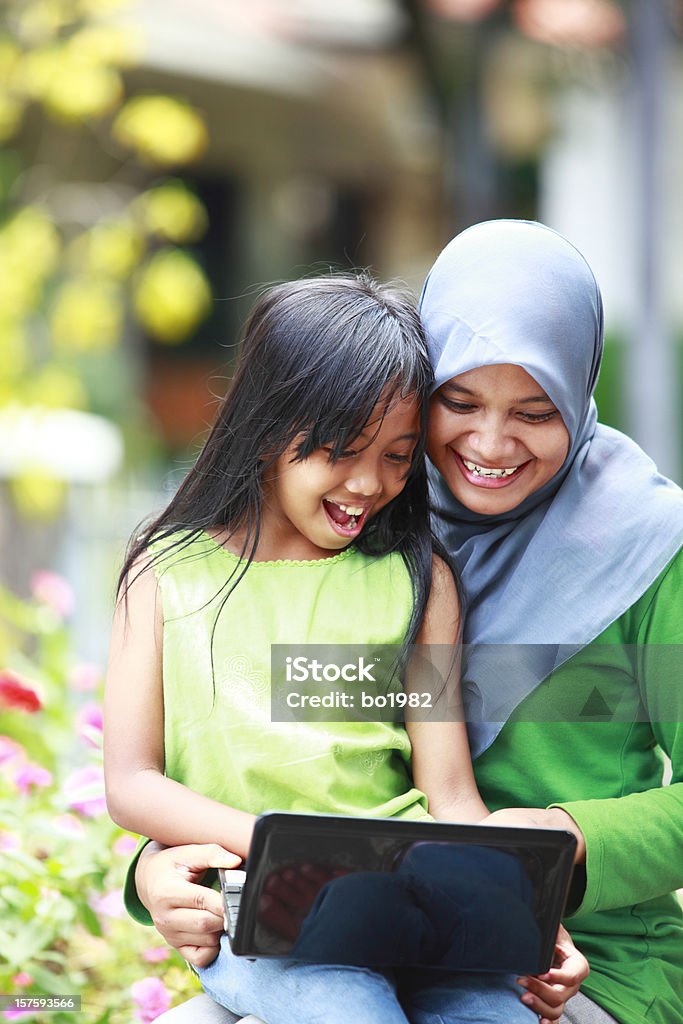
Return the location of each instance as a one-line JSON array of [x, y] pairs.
[[484, 471]]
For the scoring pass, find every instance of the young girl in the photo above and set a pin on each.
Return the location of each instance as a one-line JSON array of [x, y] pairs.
[[304, 520]]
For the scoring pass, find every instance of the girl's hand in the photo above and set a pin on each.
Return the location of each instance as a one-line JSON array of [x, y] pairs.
[[539, 817], [547, 993], [187, 914]]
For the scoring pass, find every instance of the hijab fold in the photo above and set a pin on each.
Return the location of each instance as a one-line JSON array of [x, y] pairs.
[[546, 578]]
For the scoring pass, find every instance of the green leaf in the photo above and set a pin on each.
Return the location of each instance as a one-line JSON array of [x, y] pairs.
[[89, 919]]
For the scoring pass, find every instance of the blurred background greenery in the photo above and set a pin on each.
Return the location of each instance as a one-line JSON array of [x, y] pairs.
[[161, 160]]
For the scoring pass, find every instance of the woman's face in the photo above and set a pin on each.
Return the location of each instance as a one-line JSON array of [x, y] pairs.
[[495, 437]]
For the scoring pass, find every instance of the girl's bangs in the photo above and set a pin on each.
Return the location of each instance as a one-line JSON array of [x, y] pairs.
[[338, 427]]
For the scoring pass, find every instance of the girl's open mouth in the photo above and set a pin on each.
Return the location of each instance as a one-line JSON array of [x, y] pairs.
[[489, 476], [346, 519]]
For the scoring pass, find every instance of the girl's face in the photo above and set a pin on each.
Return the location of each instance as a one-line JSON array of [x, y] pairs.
[[314, 507], [495, 437]]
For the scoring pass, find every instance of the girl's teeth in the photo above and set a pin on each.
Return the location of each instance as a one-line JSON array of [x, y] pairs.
[[483, 471], [351, 510]]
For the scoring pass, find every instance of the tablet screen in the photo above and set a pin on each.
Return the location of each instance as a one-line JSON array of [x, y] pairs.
[[383, 893]]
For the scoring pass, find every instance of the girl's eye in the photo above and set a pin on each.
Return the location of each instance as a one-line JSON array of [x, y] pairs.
[[395, 457], [347, 453], [541, 417]]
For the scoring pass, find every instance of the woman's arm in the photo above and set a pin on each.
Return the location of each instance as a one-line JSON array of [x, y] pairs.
[[442, 767], [140, 797], [631, 844]]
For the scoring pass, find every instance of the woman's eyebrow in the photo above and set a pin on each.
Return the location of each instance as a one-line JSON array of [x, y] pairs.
[[473, 394]]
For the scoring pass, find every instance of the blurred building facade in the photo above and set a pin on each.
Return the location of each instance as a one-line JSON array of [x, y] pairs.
[[347, 133]]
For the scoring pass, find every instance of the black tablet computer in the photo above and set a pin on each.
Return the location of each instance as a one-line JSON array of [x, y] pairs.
[[390, 893]]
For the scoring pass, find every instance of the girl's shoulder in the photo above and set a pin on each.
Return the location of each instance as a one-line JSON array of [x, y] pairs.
[[178, 547], [191, 554]]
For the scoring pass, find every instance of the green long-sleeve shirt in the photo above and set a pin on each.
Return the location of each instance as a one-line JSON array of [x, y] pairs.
[[590, 740]]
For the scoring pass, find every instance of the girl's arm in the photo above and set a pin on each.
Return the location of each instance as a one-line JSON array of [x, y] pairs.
[[442, 767], [140, 797]]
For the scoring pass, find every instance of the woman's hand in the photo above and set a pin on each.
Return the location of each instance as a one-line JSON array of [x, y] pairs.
[[539, 817], [187, 914], [547, 993]]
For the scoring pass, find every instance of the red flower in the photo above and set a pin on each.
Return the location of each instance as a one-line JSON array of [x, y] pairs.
[[15, 693]]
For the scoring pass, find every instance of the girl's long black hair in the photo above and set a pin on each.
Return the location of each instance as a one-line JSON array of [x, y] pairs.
[[317, 357]]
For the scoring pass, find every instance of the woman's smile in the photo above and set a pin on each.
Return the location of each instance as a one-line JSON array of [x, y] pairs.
[[489, 476]]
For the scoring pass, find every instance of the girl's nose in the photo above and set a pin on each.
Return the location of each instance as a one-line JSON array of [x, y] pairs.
[[366, 481]]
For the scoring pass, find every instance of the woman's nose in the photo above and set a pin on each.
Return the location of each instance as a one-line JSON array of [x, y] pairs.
[[491, 442]]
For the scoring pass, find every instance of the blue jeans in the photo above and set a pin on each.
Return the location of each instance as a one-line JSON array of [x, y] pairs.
[[288, 992]]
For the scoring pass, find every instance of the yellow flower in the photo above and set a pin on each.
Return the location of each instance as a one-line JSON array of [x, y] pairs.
[[41, 20], [11, 113], [173, 212], [30, 240], [161, 130], [13, 351], [33, 73], [87, 316], [10, 55], [71, 87], [82, 90], [110, 249], [37, 493], [56, 387], [172, 296], [107, 44]]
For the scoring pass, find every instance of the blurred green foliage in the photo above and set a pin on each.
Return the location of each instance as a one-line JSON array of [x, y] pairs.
[[75, 282], [62, 861]]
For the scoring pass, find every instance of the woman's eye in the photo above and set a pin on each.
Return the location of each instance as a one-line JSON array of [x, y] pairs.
[[395, 457], [541, 417], [457, 406]]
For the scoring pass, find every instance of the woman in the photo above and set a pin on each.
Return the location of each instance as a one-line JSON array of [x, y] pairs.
[[568, 542]]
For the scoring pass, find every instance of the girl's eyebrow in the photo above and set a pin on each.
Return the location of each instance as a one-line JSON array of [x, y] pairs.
[[394, 440], [450, 386]]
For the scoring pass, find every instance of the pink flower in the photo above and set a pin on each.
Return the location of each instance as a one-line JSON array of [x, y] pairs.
[[152, 998], [8, 842], [84, 791], [22, 979], [85, 677], [53, 590], [125, 845], [10, 749], [109, 905], [156, 954], [90, 724], [70, 825], [29, 775], [16, 1014], [18, 693]]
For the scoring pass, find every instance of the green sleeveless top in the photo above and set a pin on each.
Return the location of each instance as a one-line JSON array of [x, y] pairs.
[[218, 735]]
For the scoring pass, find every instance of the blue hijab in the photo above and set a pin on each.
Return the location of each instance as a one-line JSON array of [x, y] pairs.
[[554, 572]]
